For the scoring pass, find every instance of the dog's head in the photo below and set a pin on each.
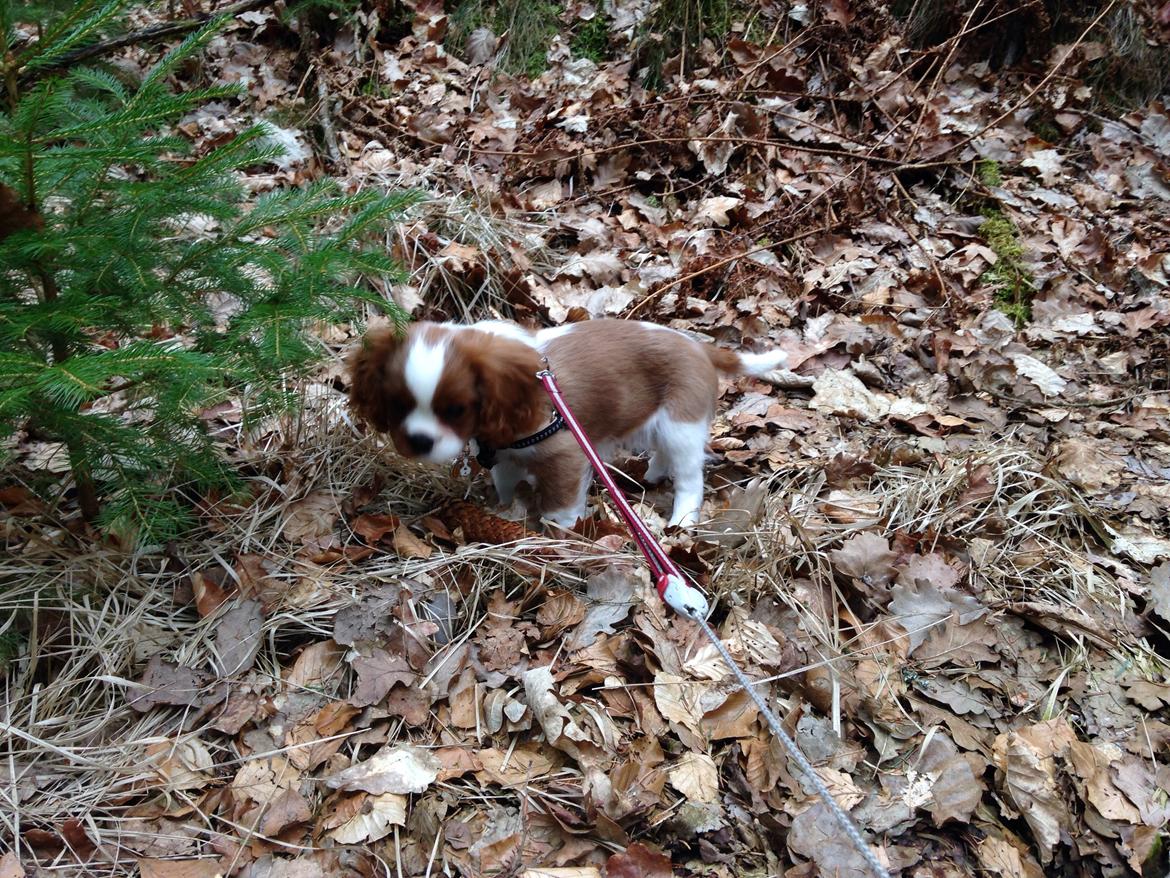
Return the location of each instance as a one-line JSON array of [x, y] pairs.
[[434, 387]]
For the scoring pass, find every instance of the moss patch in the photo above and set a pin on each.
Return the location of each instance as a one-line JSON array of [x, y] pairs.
[[591, 39], [1012, 287], [988, 173], [1043, 126]]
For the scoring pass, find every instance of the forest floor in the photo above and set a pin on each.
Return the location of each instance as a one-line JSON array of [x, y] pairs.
[[940, 542]]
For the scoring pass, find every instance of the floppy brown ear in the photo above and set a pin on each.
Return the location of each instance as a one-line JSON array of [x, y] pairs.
[[367, 376], [511, 400]]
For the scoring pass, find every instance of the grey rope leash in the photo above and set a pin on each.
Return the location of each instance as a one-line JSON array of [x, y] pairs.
[[843, 820]]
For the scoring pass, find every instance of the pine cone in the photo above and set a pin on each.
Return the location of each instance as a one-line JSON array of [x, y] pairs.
[[479, 526]]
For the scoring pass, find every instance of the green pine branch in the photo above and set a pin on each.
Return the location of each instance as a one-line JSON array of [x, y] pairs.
[[153, 288]]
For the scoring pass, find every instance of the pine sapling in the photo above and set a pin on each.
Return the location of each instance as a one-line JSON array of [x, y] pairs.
[[138, 285]]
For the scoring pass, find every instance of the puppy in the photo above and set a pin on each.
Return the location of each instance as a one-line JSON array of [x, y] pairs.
[[631, 385]]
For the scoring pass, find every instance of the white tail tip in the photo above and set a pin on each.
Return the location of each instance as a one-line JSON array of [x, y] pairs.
[[762, 364]]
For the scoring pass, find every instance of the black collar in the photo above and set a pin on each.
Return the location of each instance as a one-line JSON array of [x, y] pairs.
[[487, 454]]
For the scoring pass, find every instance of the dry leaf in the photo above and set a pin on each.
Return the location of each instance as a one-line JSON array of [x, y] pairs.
[[1047, 162], [411, 703], [312, 519], [288, 809], [924, 605], [372, 528], [1004, 854], [955, 791], [865, 557], [407, 545], [369, 619], [553, 717], [560, 610], [166, 683], [696, 777], [315, 666], [10, 867], [181, 764], [816, 836], [369, 818], [1028, 769], [400, 769], [262, 781], [1038, 373], [842, 393], [1083, 463], [681, 701], [609, 599], [238, 638], [715, 210], [209, 594], [1092, 762], [377, 673], [638, 861], [517, 767], [480, 46], [1160, 590], [152, 868]]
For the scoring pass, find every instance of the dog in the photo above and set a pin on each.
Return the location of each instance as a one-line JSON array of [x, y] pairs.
[[439, 386]]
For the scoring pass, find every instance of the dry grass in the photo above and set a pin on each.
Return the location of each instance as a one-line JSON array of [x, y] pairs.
[[73, 749], [466, 260]]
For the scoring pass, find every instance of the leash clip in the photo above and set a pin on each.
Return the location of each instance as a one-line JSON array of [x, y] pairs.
[[683, 598]]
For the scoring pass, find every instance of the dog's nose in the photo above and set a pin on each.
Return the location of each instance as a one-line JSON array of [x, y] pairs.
[[419, 443]]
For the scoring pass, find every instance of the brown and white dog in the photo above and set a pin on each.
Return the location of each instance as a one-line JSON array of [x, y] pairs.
[[631, 385]]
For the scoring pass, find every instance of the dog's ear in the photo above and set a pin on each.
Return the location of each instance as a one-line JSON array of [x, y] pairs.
[[368, 374], [510, 396]]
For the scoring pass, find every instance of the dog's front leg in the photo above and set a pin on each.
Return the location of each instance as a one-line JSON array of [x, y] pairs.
[[562, 487], [506, 475]]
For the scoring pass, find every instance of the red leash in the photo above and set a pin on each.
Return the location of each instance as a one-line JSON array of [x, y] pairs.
[[674, 590], [688, 601]]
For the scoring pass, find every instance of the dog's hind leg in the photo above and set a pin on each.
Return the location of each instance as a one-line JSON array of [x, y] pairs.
[[682, 446]]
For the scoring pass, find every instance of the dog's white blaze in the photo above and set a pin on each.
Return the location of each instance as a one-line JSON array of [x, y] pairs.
[[424, 369]]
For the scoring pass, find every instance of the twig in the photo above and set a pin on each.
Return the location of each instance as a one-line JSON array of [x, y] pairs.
[[1075, 403], [939, 74], [722, 262], [154, 32], [326, 119], [1024, 100], [942, 284], [651, 141]]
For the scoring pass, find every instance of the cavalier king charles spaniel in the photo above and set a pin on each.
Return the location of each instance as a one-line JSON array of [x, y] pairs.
[[438, 386]]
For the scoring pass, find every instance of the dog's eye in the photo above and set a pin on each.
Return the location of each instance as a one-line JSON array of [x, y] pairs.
[[451, 412]]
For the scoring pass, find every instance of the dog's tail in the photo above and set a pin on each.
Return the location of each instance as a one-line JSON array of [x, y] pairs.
[[733, 363]]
